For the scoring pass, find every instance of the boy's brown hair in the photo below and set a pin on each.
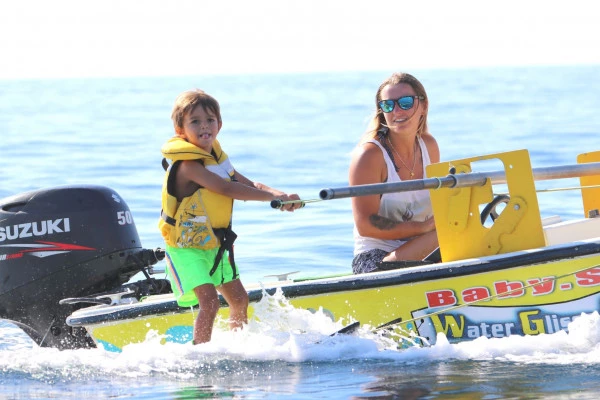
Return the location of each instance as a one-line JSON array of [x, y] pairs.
[[187, 101]]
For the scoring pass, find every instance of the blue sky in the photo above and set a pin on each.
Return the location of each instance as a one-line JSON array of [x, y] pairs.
[[68, 38]]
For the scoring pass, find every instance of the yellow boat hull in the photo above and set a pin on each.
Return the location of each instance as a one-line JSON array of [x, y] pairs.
[[463, 300]]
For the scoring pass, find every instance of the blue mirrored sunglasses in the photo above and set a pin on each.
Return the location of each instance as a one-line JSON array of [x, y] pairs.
[[404, 102]]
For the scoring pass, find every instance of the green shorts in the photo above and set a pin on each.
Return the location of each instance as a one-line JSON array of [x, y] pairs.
[[189, 268]]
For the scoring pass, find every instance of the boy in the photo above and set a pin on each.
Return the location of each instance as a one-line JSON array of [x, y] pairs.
[[197, 199]]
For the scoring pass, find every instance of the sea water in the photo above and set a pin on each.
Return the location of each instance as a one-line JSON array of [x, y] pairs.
[[295, 133]]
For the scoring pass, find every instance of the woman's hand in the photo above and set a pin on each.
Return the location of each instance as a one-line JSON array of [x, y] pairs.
[[429, 225]]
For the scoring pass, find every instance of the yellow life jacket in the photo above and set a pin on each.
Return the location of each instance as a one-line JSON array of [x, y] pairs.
[[202, 219]]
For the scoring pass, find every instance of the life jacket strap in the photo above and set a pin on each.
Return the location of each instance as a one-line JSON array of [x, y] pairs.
[[226, 237], [167, 219], [165, 164]]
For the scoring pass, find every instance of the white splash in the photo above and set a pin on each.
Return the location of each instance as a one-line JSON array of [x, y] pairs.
[[278, 332]]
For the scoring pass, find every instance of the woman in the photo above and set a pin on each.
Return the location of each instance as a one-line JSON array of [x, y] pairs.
[[396, 147]]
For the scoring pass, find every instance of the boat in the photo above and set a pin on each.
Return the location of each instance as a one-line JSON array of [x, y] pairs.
[[500, 270]]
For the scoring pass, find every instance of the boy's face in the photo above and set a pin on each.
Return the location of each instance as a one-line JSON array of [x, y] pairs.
[[200, 128]]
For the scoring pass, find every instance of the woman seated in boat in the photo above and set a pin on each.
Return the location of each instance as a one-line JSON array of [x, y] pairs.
[[397, 146]]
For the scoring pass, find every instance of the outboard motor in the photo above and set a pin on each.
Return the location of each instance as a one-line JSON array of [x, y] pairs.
[[62, 242]]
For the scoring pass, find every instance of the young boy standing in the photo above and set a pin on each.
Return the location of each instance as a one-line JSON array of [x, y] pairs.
[[197, 200]]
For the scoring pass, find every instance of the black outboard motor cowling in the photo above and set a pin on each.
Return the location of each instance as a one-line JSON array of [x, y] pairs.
[[63, 242]]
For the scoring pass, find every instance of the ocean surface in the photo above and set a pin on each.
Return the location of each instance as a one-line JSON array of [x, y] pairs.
[[295, 133]]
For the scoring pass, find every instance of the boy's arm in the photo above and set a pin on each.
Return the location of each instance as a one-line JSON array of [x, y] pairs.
[[242, 179], [277, 193], [195, 172]]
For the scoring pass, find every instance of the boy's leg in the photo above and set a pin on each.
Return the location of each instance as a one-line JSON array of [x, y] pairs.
[[209, 306], [236, 296]]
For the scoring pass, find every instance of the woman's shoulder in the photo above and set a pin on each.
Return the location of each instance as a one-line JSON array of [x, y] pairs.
[[432, 147], [427, 137], [368, 149], [367, 165]]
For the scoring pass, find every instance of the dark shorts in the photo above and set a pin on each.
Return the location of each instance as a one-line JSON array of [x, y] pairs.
[[368, 261]]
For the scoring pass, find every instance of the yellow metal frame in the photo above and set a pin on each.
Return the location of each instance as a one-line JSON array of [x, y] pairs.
[[457, 217], [590, 196]]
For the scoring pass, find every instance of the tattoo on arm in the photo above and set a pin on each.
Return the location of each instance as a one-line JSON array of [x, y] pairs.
[[382, 223]]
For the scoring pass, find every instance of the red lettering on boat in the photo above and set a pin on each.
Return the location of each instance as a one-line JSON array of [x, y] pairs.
[[542, 286], [590, 277], [441, 298], [509, 289], [475, 294]]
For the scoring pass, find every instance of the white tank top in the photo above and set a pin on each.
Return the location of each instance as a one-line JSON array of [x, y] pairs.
[[400, 206]]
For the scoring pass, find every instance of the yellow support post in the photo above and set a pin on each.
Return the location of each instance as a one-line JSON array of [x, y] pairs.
[[457, 217], [590, 196]]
